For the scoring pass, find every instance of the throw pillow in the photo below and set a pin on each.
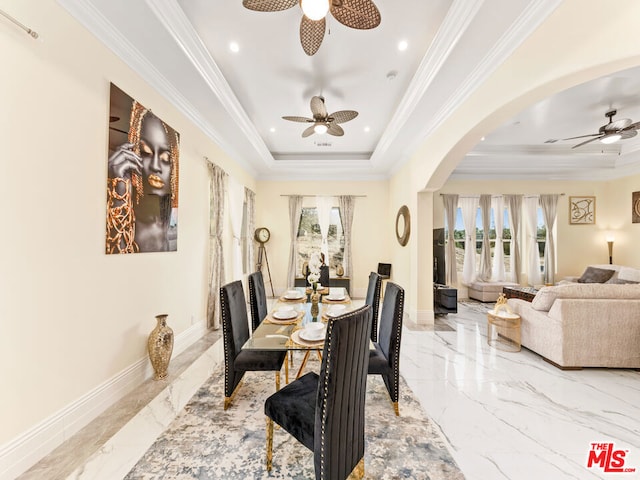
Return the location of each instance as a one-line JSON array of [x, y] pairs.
[[544, 299], [619, 281], [595, 275], [629, 274]]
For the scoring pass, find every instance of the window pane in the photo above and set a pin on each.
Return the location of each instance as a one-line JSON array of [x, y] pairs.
[[310, 239]]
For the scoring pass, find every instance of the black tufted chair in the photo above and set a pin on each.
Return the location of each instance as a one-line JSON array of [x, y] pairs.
[[235, 330], [373, 299], [385, 360], [326, 412], [257, 299]]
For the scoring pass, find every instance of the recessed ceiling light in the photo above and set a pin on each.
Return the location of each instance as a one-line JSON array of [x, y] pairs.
[[272, 129], [482, 139], [367, 129], [234, 47], [403, 45]]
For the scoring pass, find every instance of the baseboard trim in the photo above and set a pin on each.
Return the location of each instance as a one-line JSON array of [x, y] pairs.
[[425, 317], [20, 454]]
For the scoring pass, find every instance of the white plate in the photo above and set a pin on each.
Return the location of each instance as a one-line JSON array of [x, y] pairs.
[[312, 335], [336, 297], [285, 314], [293, 295]]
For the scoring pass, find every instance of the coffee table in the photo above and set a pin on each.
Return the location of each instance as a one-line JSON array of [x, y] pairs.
[[524, 293]]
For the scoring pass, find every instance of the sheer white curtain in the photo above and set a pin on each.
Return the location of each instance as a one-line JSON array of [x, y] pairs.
[[450, 201], [324, 204], [217, 180], [250, 201], [236, 204], [295, 210], [533, 256], [549, 204], [469, 207], [515, 220], [498, 270], [485, 254], [347, 205]]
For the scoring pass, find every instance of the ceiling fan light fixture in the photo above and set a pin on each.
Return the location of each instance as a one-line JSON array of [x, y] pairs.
[[320, 128], [607, 139], [315, 9]]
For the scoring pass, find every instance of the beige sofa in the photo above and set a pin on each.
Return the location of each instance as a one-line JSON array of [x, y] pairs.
[[583, 324]]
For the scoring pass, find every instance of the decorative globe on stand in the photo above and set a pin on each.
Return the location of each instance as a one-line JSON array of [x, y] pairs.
[[160, 346]]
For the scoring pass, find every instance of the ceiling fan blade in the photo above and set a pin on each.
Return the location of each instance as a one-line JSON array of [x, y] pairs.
[[583, 136], [343, 116], [627, 134], [311, 34], [633, 126], [308, 131], [335, 130], [269, 5], [588, 141], [318, 108], [617, 125], [359, 14], [298, 119]]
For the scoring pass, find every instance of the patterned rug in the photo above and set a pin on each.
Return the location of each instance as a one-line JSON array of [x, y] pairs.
[[206, 442]]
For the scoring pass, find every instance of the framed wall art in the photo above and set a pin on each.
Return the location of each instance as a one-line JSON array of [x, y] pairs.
[[635, 207], [582, 210], [142, 179]]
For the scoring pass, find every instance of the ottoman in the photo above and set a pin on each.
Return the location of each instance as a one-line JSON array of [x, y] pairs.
[[488, 291]]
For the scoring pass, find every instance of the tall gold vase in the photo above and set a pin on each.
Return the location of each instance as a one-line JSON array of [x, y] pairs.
[[160, 346], [315, 298]]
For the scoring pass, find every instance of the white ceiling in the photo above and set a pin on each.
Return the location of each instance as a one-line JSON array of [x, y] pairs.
[[181, 47]]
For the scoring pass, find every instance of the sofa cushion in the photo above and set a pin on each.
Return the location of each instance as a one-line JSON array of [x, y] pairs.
[[596, 275], [629, 274], [544, 299]]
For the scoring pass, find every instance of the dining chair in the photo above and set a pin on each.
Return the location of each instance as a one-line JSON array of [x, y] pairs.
[[326, 412], [235, 331], [373, 299], [385, 359], [257, 299]]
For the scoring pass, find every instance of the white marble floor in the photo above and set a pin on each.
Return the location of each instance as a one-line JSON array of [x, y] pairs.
[[505, 415], [513, 415]]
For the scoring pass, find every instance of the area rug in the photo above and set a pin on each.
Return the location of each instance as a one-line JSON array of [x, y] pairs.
[[207, 442]]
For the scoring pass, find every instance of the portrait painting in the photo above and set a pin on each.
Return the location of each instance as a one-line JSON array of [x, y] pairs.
[[142, 179], [582, 210], [635, 207]]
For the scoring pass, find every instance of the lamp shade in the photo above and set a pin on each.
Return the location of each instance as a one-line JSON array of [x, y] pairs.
[[611, 138], [320, 128]]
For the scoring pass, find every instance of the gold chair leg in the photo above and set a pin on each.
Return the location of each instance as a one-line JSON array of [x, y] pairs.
[[319, 355], [269, 443], [277, 381], [227, 402], [286, 371], [303, 364], [396, 408], [358, 471]]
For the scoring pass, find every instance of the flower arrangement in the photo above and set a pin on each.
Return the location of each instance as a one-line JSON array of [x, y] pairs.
[[314, 270]]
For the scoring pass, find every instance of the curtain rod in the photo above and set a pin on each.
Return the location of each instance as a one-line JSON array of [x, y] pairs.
[[33, 33], [319, 195]]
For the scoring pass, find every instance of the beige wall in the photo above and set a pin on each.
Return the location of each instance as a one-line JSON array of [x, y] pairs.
[[370, 228], [74, 318]]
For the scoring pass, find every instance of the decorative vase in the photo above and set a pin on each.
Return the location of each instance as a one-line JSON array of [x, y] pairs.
[[315, 298], [160, 346], [339, 271]]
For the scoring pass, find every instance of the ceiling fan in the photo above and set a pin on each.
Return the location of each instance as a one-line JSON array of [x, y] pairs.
[[612, 131], [359, 14], [324, 122]]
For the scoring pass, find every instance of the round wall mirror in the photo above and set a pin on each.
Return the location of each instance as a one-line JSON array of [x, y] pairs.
[[403, 225]]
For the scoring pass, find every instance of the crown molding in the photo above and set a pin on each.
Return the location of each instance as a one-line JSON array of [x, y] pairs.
[[456, 22], [174, 20], [543, 150], [90, 17]]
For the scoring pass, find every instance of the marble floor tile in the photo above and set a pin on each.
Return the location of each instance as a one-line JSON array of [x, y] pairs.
[[505, 416]]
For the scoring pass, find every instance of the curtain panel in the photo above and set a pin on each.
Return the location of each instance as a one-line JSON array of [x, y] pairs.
[[498, 270], [347, 207], [295, 210], [549, 204], [236, 204], [217, 180], [515, 220], [250, 202], [485, 254], [324, 204], [450, 201], [533, 255], [469, 206]]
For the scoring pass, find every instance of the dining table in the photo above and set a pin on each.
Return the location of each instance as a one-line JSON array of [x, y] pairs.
[[290, 326]]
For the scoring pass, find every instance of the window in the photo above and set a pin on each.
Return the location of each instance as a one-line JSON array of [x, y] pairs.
[[310, 239]]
